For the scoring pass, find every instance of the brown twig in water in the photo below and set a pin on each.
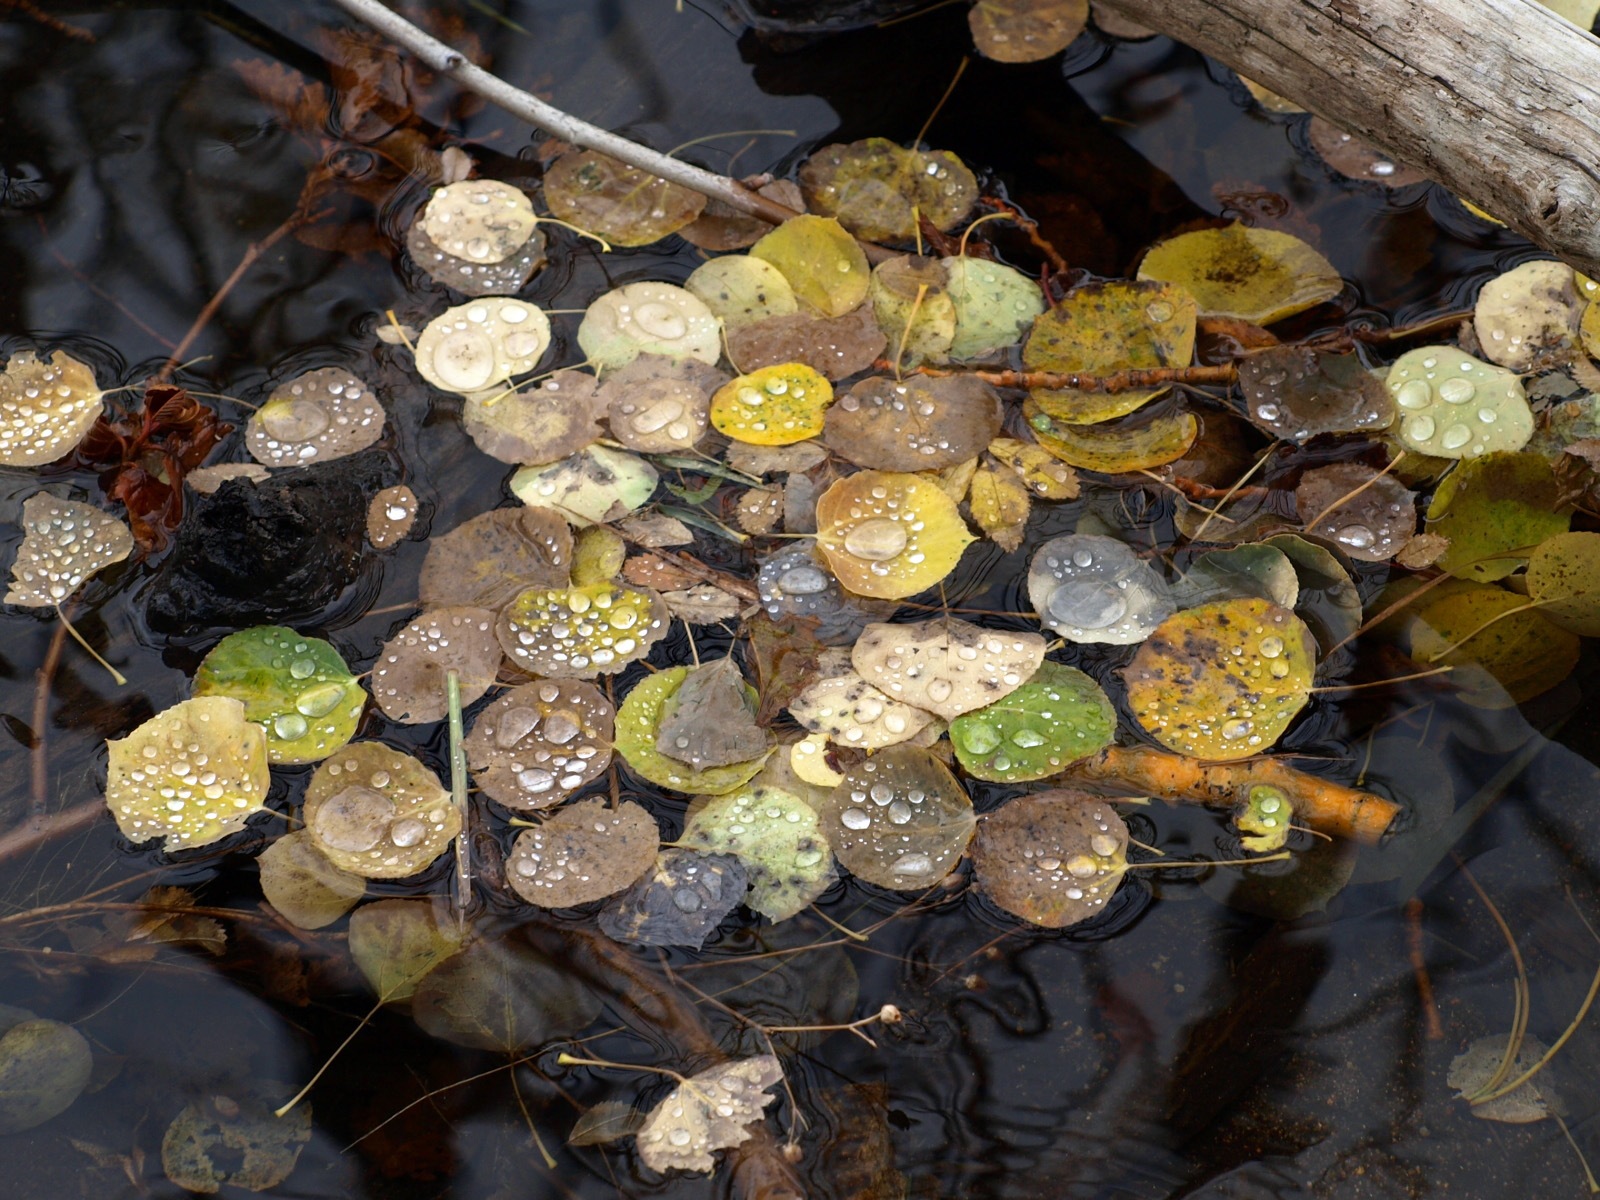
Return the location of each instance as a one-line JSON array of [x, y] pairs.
[[1419, 968], [1030, 227], [1118, 381], [40, 797], [29, 9], [35, 833]]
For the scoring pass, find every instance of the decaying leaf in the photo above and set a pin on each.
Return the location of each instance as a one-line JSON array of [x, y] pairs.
[[878, 189], [912, 305], [1532, 310], [836, 347], [558, 416], [678, 902], [899, 819], [1140, 443], [395, 943], [707, 1113], [1253, 569], [478, 236], [1044, 474], [623, 204], [580, 632], [595, 486], [65, 543], [993, 303], [316, 417], [378, 813], [389, 516], [773, 406], [1356, 159], [487, 560], [502, 994], [776, 835], [704, 604], [658, 405], [192, 774], [1369, 516], [409, 678], [795, 582], [44, 1066], [307, 890], [1053, 858], [1019, 31], [946, 666], [235, 1140], [1000, 503], [1564, 579], [539, 743], [710, 719], [639, 720], [851, 712], [1471, 626], [1257, 275], [741, 289], [1295, 392], [1471, 1071], [916, 424], [1498, 503], [585, 852]]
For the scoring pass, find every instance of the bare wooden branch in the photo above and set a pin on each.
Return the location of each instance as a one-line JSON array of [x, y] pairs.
[[1498, 100]]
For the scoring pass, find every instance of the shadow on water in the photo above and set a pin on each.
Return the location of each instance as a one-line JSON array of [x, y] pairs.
[[1179, 1047]]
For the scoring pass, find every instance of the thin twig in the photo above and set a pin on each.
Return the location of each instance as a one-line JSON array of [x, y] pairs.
[[40, 798]]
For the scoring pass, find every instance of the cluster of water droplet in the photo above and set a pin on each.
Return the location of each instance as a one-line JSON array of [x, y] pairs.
[[900, 819], [797, 582], [1096, 589], [379, 813], [479, 236], [1371, 525], [541, 742], [320, 704], [1453, 406], [482, 343], [390, 516], [773, 406], [409, 678], [321, 415], [64, 543], [586, 852], [580, 631], [946, 666], [854, 713], [45, 407], [649, 318], [894, 426], [1298, 393]]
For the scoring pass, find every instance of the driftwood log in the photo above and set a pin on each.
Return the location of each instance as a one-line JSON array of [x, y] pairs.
[[1498, 100]]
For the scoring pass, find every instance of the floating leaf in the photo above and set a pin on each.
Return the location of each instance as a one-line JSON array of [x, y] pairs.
[[1139, 445], [605, 1122], [585, 852], [994, 304], [946, 666], [1053, 858], [660, 406], [390, 516], [316, 417], [1329, 602], [478, 236], [502, 994], [1000, 503], [710, 719], [1263, 817], [556, 417], [65, 543], [850, 711], [678, 902], [703, 605], [638, 721], [395, 943], [899, 819], [1090, 588], [913, 308], [592, 487], [1471, 1071], [1021, 31], [707, 1112], [722, 227], [621, 203], [1249, 570], [482, 344], [917, 424], [1499, 502], [1295, 392], [1453, 406], [296, 688], [1372, 525], [378, 813], [1059, 716], [775, 834], [1285, 889], [46, 408], [580, 632], [1257, 275], [1222, 681], [539, 743], [825, 267], [648, 318], [835, 347], [1044, 474], [409, 676], [878, 190], [192, 774], [1532, 310], [774, 406], [487, 560], [1102, 328], [44, 1066], [307, 890], [1523, 651], [1564, 579], [741, 290], [889, 535], [234, 1139]]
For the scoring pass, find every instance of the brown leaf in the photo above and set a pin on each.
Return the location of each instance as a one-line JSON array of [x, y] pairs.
[[786, 654], [302, 106], [709, 721], [653, 571]]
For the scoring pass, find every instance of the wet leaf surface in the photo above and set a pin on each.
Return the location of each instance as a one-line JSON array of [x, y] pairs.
[[1257, 275], [1021, 31], [1564, 579], [706, 1113], [482, 344], [710, 719], [1520, 651], [410, 677], [889, 535], [946, 666], [1453, 406], [776, 835], [826, 269], [486, 560], [1139, 445], [678, 902], [593, 487], [1090, 588], [315, 417], [1491, 504], [586, 851], [1059, 716], [550, 420], [1295, 392], [623, 204], [899, 819], [378, 813], [874, 186], [639, 721], [1368, 516], [66, 542], [580, 632], [658, 405], [649, 318], [1531, 310], [772, 406], [47, 406], [1054, 858], [539, 743], [916, 424], [835, 347]]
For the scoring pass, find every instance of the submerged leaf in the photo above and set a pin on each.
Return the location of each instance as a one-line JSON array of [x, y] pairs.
[[1059, 716], [65, 543], [378, 813], [409, 678], [706, 1113], [678, 902], [482, 344], [580, 632], [627, 206], [46, 408], [1372, 525], [1090, 588], [899, 819], [1054, 858], [1022, 31], [1329, 602], [296, 688], [1564, 579], [1453, 406], [916, 424], [1471, 1071], [944, 665], [556, 417], [776, 835], [502, 994], [1253, 569], [1497, 503], [877, 189], [316, 417], [192, 774], [825, 267], [585, 852], [307, 890], [1222, 681], [395, 943], [889, 535], [773, 406], [595, 486], [539, 743], [235, 1140], [796, 582], [648, 318], [1479, 625], [487, 560], [44, 1066], [638, 721], [1257, 275]]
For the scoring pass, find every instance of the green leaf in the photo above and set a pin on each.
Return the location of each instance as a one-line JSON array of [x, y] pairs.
[[775, 834], [1057, 717], [1499, 502], [638, 722]]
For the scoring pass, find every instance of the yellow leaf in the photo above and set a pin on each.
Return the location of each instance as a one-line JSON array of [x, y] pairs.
[[1000, 504], [1257, 275]]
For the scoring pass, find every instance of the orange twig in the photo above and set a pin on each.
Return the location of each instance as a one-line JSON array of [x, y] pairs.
[[1419, 968], [1322, 804]]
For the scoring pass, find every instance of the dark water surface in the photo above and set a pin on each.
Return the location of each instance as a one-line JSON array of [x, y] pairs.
[[1180, 1047]]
